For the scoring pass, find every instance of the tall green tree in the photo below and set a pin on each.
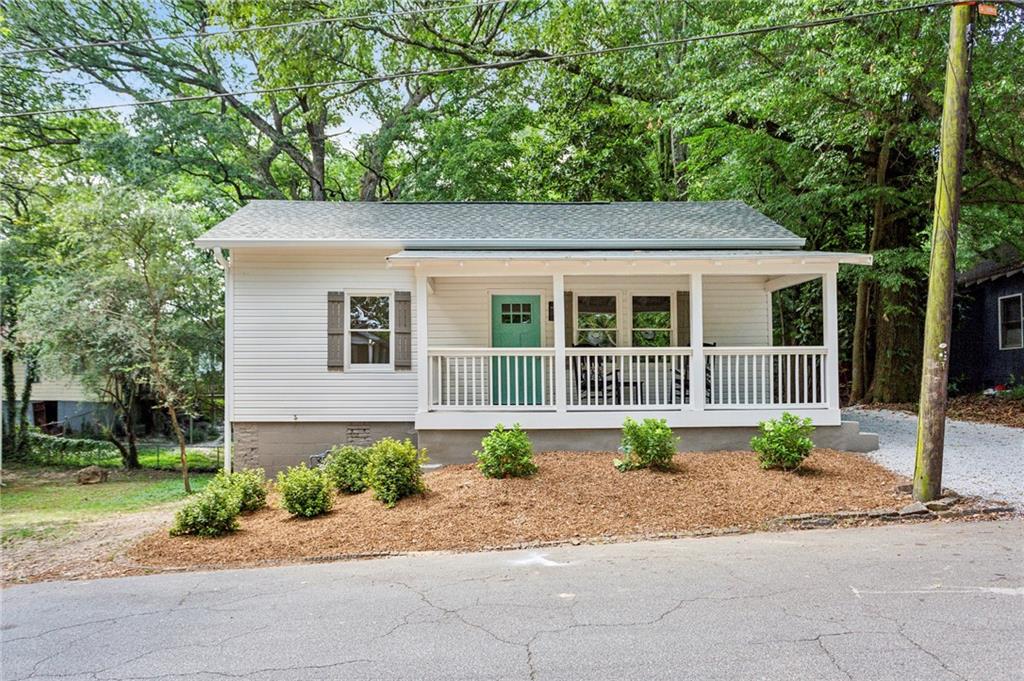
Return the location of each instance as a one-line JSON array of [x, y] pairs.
[[134, 304]]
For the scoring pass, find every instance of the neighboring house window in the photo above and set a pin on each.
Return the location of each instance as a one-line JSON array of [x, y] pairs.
[[652, 321], [1011, 322], [369, 330], [596, 321]]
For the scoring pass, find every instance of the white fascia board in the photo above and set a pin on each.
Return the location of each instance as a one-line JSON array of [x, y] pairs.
[[411, 257], [793, 244]]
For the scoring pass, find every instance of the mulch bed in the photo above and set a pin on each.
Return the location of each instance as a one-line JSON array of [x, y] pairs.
[[574, 496], [1001, 411]]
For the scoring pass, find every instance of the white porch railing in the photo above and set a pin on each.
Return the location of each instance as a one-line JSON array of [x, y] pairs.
[[625, 379], [760, 377], [617, 378], [491, 379]]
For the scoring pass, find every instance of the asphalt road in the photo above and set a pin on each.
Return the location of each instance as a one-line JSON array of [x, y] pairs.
[[931, 601]]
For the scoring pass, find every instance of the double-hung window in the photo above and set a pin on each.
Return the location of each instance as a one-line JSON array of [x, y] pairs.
[[1011, 322], [596, 321], [652, 321], [369, 330]]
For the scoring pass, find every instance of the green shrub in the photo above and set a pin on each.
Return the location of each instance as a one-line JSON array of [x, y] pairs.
[[305, 491], [345, 467], [211, 513], [69, 451], [646, 444], [784, 442], [506, 453], [393, 470], [250, 484]]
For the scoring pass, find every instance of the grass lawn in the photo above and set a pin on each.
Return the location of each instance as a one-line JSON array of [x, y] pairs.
[[41, 502]]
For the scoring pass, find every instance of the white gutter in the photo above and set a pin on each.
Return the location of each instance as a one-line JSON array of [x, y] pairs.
[[507, 244], [229, 371], [411, 257]]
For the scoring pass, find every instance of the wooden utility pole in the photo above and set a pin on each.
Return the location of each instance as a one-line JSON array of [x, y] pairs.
[[931, 419]]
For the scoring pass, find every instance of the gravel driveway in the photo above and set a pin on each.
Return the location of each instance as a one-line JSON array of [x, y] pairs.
[[981, 459]]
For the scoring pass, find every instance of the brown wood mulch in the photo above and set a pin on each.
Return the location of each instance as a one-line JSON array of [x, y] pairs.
[[573, 495], [1001, 411]]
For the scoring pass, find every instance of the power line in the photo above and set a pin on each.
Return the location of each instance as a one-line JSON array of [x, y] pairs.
[[544, 58], [248, 29]]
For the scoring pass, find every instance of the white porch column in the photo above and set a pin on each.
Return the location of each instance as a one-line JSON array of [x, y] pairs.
[[558, 297], [422, 346], [697, 373], [830, 316]]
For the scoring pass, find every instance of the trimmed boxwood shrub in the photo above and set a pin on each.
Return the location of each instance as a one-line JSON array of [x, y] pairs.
[[305, 492], [211, 513], [506, 453], [393, 470], [250, 484], [784, 442], [345, 467], [646, 444]]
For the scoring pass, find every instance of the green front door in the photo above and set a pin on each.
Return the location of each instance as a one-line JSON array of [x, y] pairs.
[[515, 323]]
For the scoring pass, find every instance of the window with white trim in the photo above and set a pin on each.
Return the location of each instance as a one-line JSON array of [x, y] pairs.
[[369, 330], [1011, 322], [596, 321], [651, 321]]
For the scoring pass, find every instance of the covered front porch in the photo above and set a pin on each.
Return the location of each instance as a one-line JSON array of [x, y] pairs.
[[571, 340]]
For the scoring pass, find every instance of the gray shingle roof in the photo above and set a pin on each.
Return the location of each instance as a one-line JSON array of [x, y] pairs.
[[711, 224]]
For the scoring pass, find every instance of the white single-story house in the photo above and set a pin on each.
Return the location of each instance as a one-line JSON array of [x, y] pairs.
[[346, 322]]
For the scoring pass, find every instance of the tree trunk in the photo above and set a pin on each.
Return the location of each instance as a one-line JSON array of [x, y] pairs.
[[10, 402], [173, 415], [315, 131], [931, 420], [22, 427], [862, 316]]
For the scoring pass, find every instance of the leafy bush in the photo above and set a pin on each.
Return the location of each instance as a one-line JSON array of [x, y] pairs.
[[305, 491], [506, 453], [393, 470], [251, 486], [211, 513], [646, 444], [345, 467], [67, 451], [784, 442]]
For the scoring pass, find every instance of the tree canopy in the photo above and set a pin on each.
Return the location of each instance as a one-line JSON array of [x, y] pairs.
[[832, 131]]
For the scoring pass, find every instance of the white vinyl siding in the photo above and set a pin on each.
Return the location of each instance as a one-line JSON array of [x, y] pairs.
[[737, 311], [280, 338], [459, 310], [279, 325]]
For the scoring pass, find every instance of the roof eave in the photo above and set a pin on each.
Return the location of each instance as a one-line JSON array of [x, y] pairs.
[[781, 243]]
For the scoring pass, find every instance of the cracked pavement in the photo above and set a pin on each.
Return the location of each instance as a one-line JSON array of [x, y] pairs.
[[924, 601]]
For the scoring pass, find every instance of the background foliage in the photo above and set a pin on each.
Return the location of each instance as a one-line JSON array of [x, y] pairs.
[[830, 131]]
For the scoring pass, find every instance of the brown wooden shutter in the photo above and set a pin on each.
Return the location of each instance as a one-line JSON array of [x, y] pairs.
[[336, 330], [403, 330], [682, 318], [570, 342]]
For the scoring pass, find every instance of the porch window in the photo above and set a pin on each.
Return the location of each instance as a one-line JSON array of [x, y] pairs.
[[1011, 322], [596, 322], [652, 321], [369, 323]]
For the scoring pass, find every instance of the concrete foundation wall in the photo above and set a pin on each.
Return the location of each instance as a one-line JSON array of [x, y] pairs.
[[275, 446], [457, 446]]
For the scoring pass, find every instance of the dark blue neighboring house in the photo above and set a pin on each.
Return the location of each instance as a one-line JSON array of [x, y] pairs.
[[987, 348]]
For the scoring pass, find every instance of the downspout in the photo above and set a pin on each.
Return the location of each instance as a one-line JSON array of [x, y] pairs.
[[225, 264]]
